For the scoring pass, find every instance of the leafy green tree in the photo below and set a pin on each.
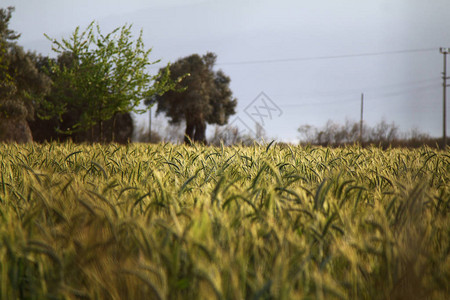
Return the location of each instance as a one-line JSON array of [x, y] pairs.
[[6, 37], [99, 76], [207, 97], [22, 86]]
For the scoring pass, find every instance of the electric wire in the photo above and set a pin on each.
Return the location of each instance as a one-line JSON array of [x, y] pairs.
[[309, 58], [312, 58], [373, 96]]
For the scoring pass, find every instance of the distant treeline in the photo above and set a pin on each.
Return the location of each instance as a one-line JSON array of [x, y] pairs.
[[383, 134], [332, 134]]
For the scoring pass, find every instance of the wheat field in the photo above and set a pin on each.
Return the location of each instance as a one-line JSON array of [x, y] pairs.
[[196, 222]]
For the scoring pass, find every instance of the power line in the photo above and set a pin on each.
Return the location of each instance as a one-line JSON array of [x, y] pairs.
[[370, 89], [308, 58], [292, 105], [311, 58], [374, 96], [402, 92]]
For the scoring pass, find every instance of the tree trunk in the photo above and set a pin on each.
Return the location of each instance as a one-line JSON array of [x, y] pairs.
[[15, 130], [100, 123], [113, 137], [101, 132], [200, 132], [195, 128], [189, 134]]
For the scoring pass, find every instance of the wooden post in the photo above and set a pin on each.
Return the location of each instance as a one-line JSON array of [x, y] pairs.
[[150, 125], [444, 51], [361, 120]]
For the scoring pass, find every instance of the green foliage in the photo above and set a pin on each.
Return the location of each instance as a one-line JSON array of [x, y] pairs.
[[6, 34], [101, 75], [22, 86], [261, 222]]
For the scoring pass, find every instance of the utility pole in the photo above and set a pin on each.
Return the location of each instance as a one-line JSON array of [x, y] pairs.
[[361, 120], [150, 125], [445, 51]]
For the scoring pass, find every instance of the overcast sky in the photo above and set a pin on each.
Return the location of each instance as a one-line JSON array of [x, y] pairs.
[[312, 59]]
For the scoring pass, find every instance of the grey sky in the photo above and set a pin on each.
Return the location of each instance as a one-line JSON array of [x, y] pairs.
[[322, 76]]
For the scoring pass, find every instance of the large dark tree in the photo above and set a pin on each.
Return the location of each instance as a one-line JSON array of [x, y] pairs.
[[7, 40], [22, 86], [207, 97]]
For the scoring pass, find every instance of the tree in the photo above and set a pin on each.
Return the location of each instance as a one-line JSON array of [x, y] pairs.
[[99, 76], [207, 97], [118, 129], [22, 86], [6, 36]]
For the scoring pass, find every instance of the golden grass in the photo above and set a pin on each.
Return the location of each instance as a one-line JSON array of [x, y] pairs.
[[262, 222]]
